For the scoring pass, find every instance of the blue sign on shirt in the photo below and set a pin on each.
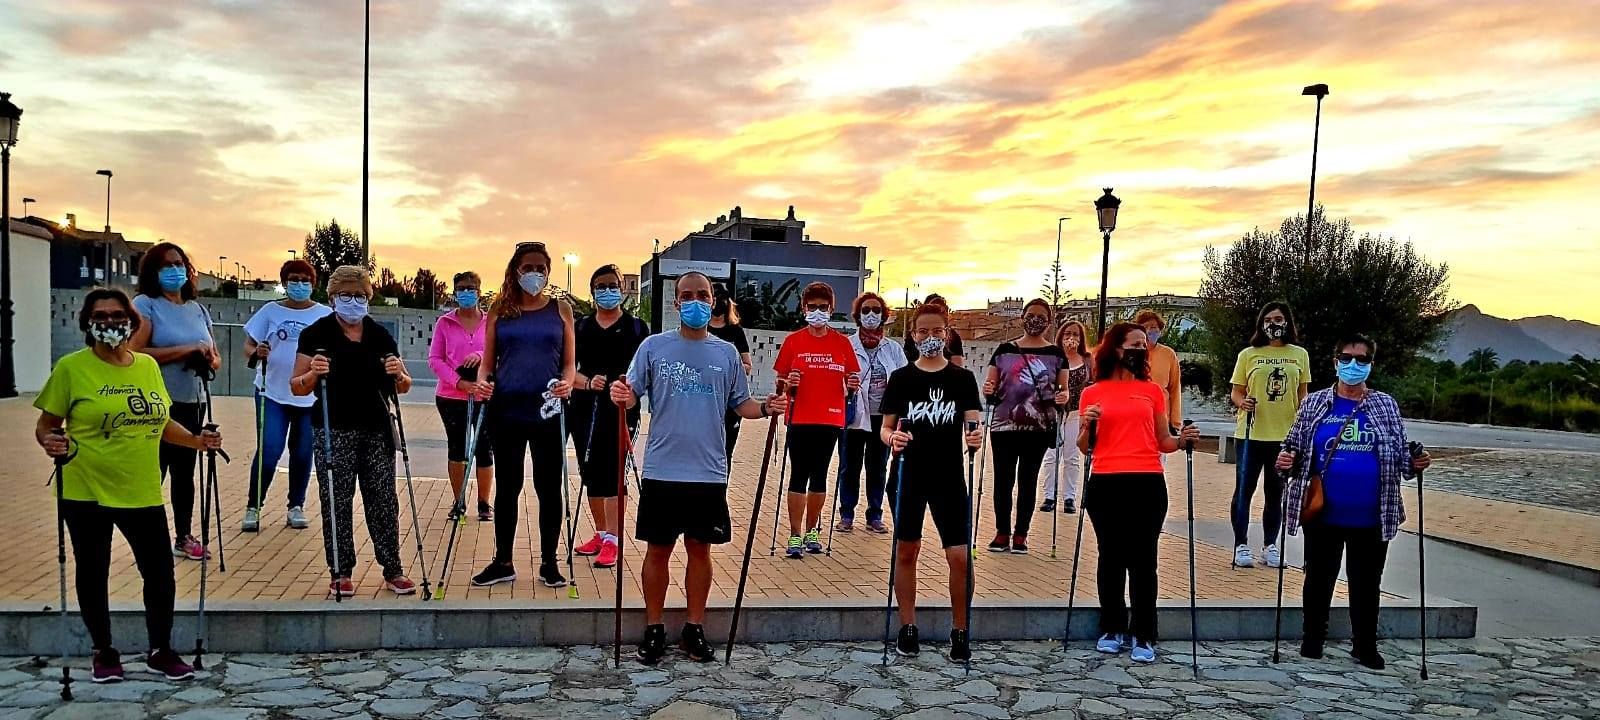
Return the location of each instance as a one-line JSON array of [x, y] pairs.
[[1350, 484], [690, 384]]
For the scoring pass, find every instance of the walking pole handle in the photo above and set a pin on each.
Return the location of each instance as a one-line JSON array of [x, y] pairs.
[[1094, 433], [1417, 451], [1188, 446], [64, 459], [971, 451]]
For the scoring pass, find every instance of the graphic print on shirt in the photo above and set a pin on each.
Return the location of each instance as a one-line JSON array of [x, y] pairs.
[[1359, 437], [1277, 384], [933, 411], [1027, 386], [146, 408], [683, 379], [288, 331]]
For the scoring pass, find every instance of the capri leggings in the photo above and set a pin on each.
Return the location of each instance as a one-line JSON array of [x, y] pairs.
[[810, 450]]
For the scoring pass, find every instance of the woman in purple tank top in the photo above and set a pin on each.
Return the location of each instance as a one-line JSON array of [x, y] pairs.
[[528, 344]]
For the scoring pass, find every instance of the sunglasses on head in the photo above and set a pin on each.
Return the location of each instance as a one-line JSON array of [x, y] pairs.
[[1347, 357]]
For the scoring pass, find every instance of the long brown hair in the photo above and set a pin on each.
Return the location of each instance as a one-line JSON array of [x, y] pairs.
[[1083, 338], [1107, 353], [508, 303]]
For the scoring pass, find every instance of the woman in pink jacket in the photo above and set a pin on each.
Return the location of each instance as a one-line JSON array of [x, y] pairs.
[[458, 343]]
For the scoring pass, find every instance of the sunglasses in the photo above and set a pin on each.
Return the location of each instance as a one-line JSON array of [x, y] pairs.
[[1360, 359], [102, 317], [607, 286], [824, 307]]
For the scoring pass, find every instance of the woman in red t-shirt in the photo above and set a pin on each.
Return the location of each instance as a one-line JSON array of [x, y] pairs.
[[820, 365], [1125, 426]]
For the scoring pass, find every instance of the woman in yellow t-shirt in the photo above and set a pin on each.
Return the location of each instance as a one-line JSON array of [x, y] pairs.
[[114, 410], [1269, 382]]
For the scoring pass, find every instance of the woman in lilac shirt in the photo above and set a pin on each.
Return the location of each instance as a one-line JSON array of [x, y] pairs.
[[457, 345]]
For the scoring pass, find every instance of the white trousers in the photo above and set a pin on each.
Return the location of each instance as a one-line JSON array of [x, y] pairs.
[[1071, 473]]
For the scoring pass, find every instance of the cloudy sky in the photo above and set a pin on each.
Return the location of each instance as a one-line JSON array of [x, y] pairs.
[[945, 136]]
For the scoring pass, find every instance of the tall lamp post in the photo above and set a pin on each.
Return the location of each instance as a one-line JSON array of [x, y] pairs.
[[366, 73], [25, 203], [570, 259], [1105, 209], [294, 255], [1055, 273], [220, 258], [1320, 90], [10, 119], [107, 174]]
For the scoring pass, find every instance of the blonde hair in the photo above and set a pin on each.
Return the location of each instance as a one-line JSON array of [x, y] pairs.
[[350, 277]]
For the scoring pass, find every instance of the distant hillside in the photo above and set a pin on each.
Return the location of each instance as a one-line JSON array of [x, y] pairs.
[[1569, 337], [1470, 329]]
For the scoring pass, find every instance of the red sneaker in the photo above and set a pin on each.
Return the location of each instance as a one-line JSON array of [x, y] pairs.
[[592, 547], [1019, 544], [1000, 544], [608, 555], [166, 662], [343, 587], [190, 548], [400, 585], [107, 666]]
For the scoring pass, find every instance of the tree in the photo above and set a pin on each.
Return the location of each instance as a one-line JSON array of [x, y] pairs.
[[331, 246], [769, 308], [1052, 293], [1484, 360], [426, 289], [1367, 284]]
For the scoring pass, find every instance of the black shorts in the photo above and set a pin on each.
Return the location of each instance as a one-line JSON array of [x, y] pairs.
[[599, 470], [454, 415], [946, 498], [810, 452], [695, 510]]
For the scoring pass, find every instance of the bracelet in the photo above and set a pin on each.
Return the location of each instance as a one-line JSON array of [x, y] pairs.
[[763, 407]]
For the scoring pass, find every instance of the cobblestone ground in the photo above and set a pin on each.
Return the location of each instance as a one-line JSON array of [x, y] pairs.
[[1470, 678], [1563, 480]]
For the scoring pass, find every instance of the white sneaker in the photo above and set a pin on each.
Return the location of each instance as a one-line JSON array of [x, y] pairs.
[[1142, 653], [297, 518], [1242, 557], [252, 520], [1272, 556], [1109, 644]]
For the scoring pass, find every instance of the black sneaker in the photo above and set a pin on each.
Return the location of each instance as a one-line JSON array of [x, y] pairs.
[[485, 512], [495, 574], [1048, 506], [907, 645], [1311, 648], [1068, 507], [456, 511], [694, 644], [960, 650], [654, 646], [551, 577], [1367, 655]]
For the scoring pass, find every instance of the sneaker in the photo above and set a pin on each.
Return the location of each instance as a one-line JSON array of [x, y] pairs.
[[591, 548], [189, 547], [1367, 655], [1000, 544], [1142, 652], [1069, 507], [485, 512], [166, 662], [1242, 557], [297, 518], [551, 577], [845, 526], [654, 646], [877, 527], [693, 642], [608, 555], [400, 585], [1049, 505], [495, 574], [907, 645], [795, 550], [456, 511], [1019, 544], [1270, 552], [1311, 648], [814, 541], [343, 587], [960, 650], [252, 520], [107, 666], [1109, 643]]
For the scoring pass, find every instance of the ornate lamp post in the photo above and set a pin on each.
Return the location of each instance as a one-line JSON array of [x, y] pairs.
[[10, 120], [1105, 209]]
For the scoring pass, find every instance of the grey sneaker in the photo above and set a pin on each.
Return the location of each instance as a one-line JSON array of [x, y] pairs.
[[297, 518], [252, 520]]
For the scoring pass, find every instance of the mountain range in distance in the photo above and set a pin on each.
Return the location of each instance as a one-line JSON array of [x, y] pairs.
[[1543, 338]]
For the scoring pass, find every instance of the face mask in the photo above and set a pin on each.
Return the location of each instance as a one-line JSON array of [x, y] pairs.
[[872, 320], [466, 299], [720, 309], [1275, 331], [297, 291], [1153, 335], [1352, 373], [695, 314], [1034, 325], [816, 318], [1134, 360], [113, 334], [531, 282], [608, 299], [932, 347], [350, 309], [173, 277]]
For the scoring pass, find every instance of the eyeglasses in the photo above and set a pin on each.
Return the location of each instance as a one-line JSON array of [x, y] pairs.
[[108, 317], [1360, 359], [923, 333], [818, 307], [350, 296], [607, 286]]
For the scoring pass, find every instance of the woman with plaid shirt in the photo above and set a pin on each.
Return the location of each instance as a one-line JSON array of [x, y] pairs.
[[1357, 444]]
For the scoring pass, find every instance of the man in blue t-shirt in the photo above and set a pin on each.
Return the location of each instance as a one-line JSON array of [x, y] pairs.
[[692, 379]]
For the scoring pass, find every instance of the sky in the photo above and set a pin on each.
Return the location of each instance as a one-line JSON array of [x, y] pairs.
[[947, 137]]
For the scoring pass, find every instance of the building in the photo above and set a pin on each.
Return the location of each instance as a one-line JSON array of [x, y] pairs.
[[30, 297], [1009, 307], [1180, 311], [630, 289], [78, 256], [762, 250]]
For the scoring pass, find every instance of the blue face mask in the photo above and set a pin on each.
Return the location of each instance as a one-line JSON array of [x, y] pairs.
[[467, 299], [298, 291], [350, 310], [608, 299], [696, 314], [1352, 372], [173, 277]]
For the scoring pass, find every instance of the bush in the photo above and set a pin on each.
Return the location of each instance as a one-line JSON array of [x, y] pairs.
[[1197, 375]]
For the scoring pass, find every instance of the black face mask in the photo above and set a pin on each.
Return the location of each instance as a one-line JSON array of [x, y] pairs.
[[719, 308], [1275, 331], [1133, 359]]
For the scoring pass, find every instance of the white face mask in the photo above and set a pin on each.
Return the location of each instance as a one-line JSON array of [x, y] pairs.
[[816, 318], [531, 282], [871, 320]]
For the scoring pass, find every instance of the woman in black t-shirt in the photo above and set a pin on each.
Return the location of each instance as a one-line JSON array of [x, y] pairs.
[[725, 326], [952, 346], [359, 364], [1024, 382], [933, 402]]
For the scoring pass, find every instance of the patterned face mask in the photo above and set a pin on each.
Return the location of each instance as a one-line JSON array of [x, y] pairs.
[[111, 333], [1034, 324], [931, 347]]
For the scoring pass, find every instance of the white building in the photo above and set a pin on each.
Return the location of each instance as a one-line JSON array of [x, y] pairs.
[[30, 295]]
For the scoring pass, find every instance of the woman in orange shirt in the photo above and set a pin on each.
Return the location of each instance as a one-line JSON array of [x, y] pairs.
[[1125, 425]]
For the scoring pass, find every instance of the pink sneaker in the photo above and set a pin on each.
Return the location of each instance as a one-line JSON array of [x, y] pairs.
[[190, 548], [107, 666], [166, 662], [343, 587], [592, 547], [400, 585], [608, 555]]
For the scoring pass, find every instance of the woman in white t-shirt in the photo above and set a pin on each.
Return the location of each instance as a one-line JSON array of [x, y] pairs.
[[283, 419]]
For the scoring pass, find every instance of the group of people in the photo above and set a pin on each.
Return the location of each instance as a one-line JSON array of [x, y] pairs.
[[128, 410]]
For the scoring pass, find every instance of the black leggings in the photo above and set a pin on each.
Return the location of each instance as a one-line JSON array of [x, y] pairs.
[[1366, 552], [511, 439], [864, 448], [1017, 457], [810, 451], [178, 463], [1127, 510], [145, 529], [1263, 456], [597, 454], [453, 414]]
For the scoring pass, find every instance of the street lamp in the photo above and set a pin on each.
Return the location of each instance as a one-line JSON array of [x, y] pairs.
[[220, 258], [880, 278], [10, 120], [1105, 209], [1319, 90], [238, 271], [293, 255], [107, 173], [25, 203], [1055, 280], [570, 259], [366, 75]]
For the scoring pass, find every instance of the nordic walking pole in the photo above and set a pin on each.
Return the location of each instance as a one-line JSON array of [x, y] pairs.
[[1422, 564], [1194, 614], [1077, 542], [625, 453], [61, 562], [972, 510], [1055, 479], [978, 506], [326, 467], [594, 413], [260, 366], [208, 495], [411, 491], [838, 477], [783, 471], [461, 497], [894, 542], [1283, 520], [1241, 504], [750, 532], [566, 495]]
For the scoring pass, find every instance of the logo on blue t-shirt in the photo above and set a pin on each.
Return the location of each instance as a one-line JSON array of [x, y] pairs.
[[683, 379]]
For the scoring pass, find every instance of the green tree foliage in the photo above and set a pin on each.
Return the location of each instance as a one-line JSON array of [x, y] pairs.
[[1483, 360], [1557, 396], [769, 308], [331, 246], [1373, 285]]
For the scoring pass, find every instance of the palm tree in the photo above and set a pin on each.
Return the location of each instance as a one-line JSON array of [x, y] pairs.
[[1484, 360]]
